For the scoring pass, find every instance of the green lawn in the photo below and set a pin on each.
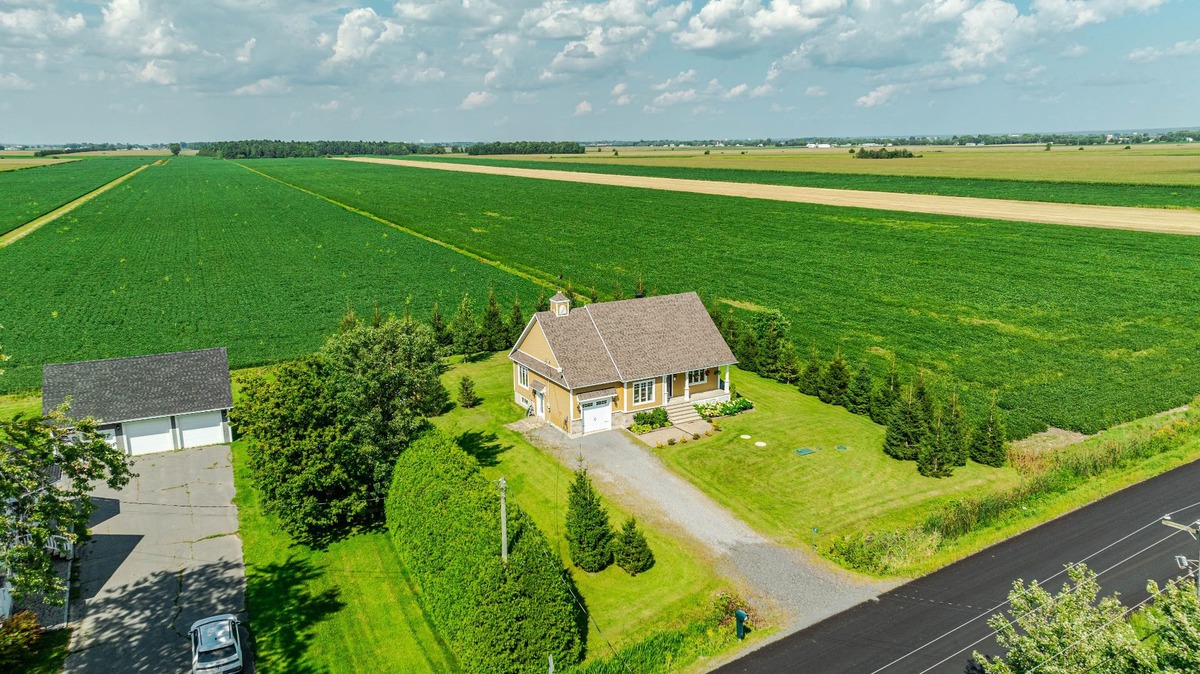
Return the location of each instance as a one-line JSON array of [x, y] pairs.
[[15, 403], [349, 608], [785, 495], [626, 608]]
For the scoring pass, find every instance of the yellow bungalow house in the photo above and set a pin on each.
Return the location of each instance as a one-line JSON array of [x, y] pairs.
[[592, 368]]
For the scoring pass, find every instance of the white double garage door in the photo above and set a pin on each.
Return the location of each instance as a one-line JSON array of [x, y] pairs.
[[597, 415], [191, 430]]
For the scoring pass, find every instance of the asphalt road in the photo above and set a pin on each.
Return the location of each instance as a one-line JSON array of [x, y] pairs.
[[933, 624]]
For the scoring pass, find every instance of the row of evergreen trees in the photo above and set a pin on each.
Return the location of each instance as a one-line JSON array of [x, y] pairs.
[[526, 147], [936, 434], [590, 537], [277, 149]]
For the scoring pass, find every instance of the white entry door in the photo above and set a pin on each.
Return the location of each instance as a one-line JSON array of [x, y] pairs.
[[201, 428], [597, 415], [541, 405], [149, 435]]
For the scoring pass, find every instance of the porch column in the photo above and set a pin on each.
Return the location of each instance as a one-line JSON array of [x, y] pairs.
[[687, 388], [728, 391], [664, 393]]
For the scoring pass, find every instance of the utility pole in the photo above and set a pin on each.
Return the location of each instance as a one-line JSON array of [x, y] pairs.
[[503, 522], [1184, 562]]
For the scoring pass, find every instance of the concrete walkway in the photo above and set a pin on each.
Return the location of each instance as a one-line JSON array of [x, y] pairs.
[[802, 587], [164, 553]]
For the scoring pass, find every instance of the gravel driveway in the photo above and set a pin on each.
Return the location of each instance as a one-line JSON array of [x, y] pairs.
[[164, 553], [806, 588]]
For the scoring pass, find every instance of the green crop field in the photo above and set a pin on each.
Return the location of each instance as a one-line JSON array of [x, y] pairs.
[[1078, 328], [199, 253], [1102, 194], [31, 192]]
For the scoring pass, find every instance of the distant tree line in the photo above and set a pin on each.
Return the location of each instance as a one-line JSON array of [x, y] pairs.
[[883, 153], [527, 147], [921, 427], [279, 149], [1124, 138], [72, 148]]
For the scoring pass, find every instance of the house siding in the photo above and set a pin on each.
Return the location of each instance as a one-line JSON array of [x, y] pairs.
[[618, 401], [535, 344], [558, 406], [658, 395]]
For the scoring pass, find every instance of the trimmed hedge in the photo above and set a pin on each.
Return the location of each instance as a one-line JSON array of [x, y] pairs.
[[443, 516]]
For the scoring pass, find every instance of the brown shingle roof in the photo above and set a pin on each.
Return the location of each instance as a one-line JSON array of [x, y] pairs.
[[539, 367], [633, 339], [598, 394]]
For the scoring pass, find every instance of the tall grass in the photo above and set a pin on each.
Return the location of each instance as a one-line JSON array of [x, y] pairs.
[[1048, 476]]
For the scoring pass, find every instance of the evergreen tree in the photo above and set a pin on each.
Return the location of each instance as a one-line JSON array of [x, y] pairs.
[[886, 395], [956, 432], [810, 379], [630, 550], [618, 294], [987, 444], [924, 397], [589, 533], [835, 381], [543, 302], [747, 353], [933, 454], [441, 332], [789, 363], [593, 295], [858, 397], [640, 289], [464, 328], [772, 329], [729, 328], [466, 393], [493, 333], [349, 320], [516, 321], [905, 428], [569, 291], [376, 316]]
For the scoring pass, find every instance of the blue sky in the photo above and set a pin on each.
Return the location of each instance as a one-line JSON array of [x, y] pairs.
[[156, 71]]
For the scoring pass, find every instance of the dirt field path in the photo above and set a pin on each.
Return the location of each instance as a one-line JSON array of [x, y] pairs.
[[1108, 217], [33, 225]]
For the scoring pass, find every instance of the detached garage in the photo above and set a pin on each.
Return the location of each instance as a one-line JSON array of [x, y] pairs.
[[148, 403]]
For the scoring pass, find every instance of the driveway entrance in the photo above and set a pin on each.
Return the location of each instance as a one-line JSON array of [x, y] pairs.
[[164, 553]]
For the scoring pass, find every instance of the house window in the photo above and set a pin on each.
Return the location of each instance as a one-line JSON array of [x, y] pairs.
[[643, 392], [523, 375], [697, 376]]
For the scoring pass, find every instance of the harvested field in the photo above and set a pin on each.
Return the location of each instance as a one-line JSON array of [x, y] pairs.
[[18, 163], [1106, 217]]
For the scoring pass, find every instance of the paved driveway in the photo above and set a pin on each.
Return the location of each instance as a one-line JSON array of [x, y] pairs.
[[164, 553], [807, 588]]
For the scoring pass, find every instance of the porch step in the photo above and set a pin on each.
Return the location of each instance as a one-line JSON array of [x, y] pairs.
[[680, 413]]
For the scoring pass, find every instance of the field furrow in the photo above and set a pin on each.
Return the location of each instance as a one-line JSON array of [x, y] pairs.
[[200, 253], [1077, 328]]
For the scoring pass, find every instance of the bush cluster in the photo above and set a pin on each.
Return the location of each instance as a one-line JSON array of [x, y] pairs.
[[883, 153], [652, 419], [444, 520], [590, 538], [19, 636], [726, 408]]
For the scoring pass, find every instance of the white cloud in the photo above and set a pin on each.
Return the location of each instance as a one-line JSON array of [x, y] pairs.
[[243, 53], [1151, 54], [128, 24], [620, 95], [584, 108], [878, 96], [37, 25], [330, 106], [1074, 51], [360, 34], [736, 91], [815, 92], [14, 81], [267, 86], [155, 73], [675, 98], [477, 99], [762, 90], [682, 78]]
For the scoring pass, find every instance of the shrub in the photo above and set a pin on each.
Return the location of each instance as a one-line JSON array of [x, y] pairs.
[[724, 409], [442, 516], [466, 393], [695, 436], [671, 441], [638, 429], [630, 550], [589, 533], [19, 636], [655, 418]]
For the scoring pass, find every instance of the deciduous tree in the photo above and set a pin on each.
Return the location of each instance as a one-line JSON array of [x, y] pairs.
[[48, 466]]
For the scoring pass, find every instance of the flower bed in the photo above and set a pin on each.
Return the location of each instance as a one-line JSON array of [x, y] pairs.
[[724, 409], [644, 422]]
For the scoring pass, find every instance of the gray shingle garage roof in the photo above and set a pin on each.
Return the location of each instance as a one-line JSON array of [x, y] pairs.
[[140, 387]]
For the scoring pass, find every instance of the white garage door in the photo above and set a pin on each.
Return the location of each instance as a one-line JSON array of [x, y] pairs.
[[597, 415], [149, 435], [200, 429]]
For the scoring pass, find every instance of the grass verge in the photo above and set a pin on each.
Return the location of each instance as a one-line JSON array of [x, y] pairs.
[[347, 608]]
